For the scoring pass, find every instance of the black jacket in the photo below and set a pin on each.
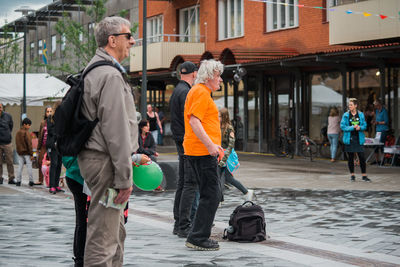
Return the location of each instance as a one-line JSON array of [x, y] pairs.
[[6, 126], [148, 147], [51, 137], [177, 108]]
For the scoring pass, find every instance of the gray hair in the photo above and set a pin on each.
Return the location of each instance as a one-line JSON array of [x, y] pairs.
[[207, 69], [107, 27]]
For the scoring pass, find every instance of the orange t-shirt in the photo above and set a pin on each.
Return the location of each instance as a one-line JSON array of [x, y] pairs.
[[200, 104]]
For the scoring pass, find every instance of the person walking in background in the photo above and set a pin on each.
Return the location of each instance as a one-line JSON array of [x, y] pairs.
[[55, 157], [382, 127], [369, 118], [42, 142], [188, 73], [353, 124], [228, 143], [154, 122], [333, 131], [23, 142], [161, 117], [75, 184], [147, 145], [202, 145], [6, 126]]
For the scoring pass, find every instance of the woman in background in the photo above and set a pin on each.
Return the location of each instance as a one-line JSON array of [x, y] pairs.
[[353, 124], [333, 131], [42, 142]]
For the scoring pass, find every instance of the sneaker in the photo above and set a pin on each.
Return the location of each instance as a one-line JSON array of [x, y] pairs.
[[18, 183], [31, 183], [1, 180], [366, 179], [58, 189], [53, 190], [12, 181], [352, 178], [207, 245], [249, 195]]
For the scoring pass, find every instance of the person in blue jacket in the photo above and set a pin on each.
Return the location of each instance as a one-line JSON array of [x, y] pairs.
[[382, 126], [353, 124]]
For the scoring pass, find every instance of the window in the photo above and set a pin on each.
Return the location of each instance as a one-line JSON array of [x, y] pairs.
[[344, 2], [282, 14], [230, 19], [189, 24], [63, 40], [32, 50], [155, 29], [53, 44], [40, 46]]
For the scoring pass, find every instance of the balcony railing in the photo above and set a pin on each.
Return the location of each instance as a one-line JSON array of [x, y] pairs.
[[345, 2], [172, 38]]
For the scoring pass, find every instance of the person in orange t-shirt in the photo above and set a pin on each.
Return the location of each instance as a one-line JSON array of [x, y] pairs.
[[202, 144]]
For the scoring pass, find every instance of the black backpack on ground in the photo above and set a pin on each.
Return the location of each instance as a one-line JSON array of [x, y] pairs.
[[246, 224], [72, 129]]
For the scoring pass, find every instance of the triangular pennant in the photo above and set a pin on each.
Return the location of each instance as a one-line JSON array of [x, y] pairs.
[[300, 5], [349, 11], [383, 16], [366, 14]]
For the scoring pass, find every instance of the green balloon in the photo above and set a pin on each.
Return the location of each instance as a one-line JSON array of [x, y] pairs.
[[147, 177]]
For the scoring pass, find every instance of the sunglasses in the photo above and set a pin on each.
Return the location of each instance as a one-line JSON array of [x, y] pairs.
[[128, 35]]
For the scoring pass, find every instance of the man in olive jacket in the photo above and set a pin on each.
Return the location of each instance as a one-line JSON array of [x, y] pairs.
[[6, 126], [106, 159]]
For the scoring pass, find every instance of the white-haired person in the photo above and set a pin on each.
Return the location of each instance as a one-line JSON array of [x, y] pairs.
[[202, 144]]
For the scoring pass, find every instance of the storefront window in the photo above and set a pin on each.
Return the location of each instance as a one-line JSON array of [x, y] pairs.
[[254, 111], [326, 93]]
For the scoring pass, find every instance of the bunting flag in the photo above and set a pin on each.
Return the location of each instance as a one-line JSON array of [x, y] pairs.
[[365, 14], [44, 54]]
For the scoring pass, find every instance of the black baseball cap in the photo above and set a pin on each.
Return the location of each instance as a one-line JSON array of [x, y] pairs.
[[188, 67]]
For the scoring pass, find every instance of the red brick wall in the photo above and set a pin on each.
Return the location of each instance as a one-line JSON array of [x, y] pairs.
[[311, 36]]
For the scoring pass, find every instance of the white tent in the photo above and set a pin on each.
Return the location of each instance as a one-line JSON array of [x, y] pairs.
[[39, 87]]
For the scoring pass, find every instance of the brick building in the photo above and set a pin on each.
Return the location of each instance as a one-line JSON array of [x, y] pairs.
[[296, 59]]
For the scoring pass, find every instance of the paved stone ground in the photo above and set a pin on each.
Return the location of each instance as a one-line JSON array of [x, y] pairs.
[[315, 217], [310, 228]]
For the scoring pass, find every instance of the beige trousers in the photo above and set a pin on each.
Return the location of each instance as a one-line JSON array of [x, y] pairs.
[[105, 228], [8, 153]]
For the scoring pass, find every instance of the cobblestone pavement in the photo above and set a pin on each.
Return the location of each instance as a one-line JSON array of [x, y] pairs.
[[306, 228]]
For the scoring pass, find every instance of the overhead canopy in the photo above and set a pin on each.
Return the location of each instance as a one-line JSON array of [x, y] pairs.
[[39, 87]]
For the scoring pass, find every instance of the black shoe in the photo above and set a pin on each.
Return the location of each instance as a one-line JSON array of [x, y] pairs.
[[366, 179], [353, 178], [176, 230], [374, 162], [31, 183], [184, 233], [18, 183], [11, 181], [206, 245], [1, 180]]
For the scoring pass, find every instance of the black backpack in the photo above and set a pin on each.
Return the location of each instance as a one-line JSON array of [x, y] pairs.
[[246, 224], [71, 128]]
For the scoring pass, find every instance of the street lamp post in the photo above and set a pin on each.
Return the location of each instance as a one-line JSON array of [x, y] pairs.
[[25, 11], [143, 98]]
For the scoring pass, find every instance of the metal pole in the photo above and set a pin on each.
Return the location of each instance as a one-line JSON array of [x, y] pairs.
[[143, 98], [24, 76]]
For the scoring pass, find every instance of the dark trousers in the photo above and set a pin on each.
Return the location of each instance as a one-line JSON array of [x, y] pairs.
[[185, 203], [361, 157], [227, 177], [55, 168], [203, 170], [80, 199]]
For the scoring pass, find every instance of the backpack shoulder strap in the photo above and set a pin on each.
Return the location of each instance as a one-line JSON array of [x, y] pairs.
[[98, 64]]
